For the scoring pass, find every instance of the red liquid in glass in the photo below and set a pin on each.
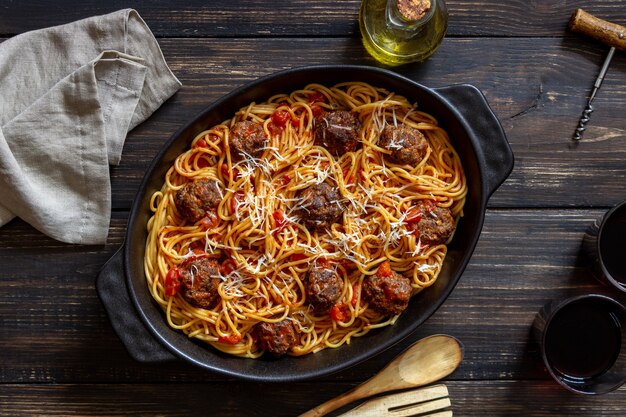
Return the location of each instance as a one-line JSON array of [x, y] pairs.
[[583, 340]]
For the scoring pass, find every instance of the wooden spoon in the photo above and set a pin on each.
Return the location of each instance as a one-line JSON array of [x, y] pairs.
[[427, 361]]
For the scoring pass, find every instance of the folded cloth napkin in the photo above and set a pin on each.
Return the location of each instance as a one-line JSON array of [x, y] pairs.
[[68, 96]]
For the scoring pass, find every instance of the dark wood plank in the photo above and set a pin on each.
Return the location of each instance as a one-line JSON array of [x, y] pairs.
[[468, 398], [51, 316], [301, 17]]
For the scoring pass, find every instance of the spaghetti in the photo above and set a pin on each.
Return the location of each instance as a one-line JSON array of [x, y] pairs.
[[256, 238]]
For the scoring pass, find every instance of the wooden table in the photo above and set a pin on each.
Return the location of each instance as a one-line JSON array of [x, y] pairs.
[[59, 354]]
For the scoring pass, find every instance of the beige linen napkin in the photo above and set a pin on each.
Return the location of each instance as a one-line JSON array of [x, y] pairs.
[[68, 96]]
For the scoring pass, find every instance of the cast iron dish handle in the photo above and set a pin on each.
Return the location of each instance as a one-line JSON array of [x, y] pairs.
[[492, 151], [111, 288]]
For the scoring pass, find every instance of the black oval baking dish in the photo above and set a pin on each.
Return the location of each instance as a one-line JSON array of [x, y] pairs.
[[476, 134]]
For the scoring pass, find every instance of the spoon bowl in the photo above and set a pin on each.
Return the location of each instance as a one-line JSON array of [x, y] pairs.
[[426, 361]]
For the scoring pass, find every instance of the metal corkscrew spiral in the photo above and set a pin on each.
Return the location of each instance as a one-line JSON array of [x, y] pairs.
[[586, 116], [582, 123]]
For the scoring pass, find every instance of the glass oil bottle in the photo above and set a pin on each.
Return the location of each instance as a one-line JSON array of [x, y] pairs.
[[397, 32]]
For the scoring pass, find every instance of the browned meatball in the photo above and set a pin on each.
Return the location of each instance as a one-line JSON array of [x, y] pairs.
[[323, 287], [337, 131], [387, 292], [320, 206], [276, 338], [247, 138], [435, 225], [195, 199], [199, 281], [407, 145]]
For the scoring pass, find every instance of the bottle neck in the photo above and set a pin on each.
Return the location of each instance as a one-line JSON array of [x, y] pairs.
[[410, 15]]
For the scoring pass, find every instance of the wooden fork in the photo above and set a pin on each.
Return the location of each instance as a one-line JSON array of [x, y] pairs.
[[426, 402]]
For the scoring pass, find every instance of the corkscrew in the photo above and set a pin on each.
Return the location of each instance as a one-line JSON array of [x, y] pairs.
[[606, 32], [584, 119]]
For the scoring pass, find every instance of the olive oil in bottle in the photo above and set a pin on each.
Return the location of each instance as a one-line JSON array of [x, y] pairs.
[[401, 31]]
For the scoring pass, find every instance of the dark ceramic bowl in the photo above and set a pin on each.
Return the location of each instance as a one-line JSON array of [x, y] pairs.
[[487, 160]]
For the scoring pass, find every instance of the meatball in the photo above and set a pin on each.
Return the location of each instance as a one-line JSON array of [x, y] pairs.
[[199, 281], [387, 292], [323, 287], [247, 138], [436, 224], [337, 131], [320, 206], [195, 199], [276, 338], [408, 146]]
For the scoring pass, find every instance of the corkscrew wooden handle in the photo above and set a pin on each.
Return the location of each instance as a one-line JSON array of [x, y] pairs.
[[606, 32]]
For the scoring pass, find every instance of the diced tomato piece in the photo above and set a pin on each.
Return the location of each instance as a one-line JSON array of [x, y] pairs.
[[274, 128], [323, 263], [428, 205], [339, 312], [280, 221], [317, 97], [228, 266], [317, 110], [384, 270], [200, 143], [231, 339], [314, 98], [414, 229], [281, 117], [203, 163], [209, 221], [297, 257], [413, 215], [172, 281], [234, 199], [285, 180]]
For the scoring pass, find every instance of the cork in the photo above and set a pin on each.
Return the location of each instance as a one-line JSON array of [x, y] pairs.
[[608, 33], [413, 9]]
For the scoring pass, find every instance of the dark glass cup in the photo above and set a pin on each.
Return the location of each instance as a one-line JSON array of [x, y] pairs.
[[604, 244], [581, 341]]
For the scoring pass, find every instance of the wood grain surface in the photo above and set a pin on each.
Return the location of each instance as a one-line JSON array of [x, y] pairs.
[[60, 355]]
